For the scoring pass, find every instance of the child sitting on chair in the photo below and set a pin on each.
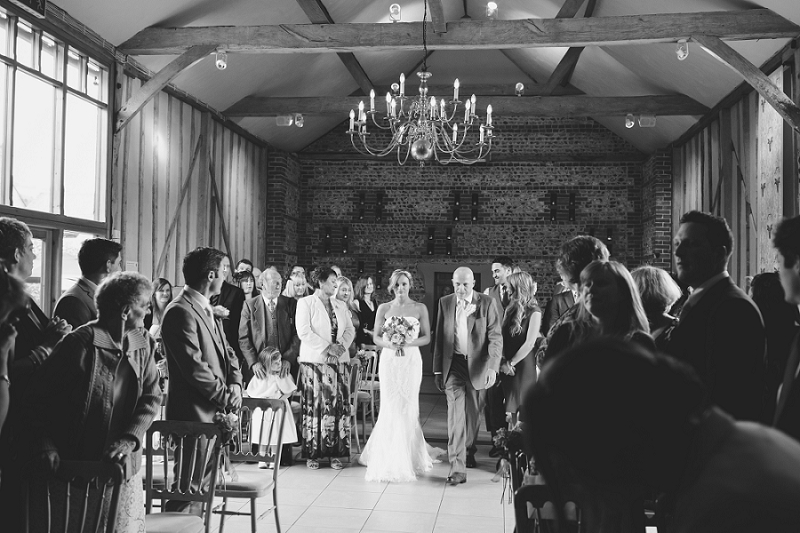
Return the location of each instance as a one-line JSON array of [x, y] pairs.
[[272, 387]]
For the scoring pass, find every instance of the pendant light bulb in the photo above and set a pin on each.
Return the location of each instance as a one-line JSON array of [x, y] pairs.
[[395, 13], [630, 120], [491, 10], [682, 50], [221, 59]]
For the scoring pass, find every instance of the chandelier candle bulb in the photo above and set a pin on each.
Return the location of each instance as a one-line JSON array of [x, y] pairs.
[[372, 100], [474, 100], [466, 111], [455, 133], [455, 90], [489, 115], [352, 119], [481, 130], [433, 107], [394, 109], [402, 84], [442, 109]]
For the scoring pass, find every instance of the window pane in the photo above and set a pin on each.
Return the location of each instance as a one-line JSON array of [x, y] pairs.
[[4, 34], [84, 160], [34, 130], [49, 61], [24, 44], [70, 271], [4, 70], [74, 71]]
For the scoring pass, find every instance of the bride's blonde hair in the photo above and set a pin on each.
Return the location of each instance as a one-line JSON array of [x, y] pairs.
[[396, 275]]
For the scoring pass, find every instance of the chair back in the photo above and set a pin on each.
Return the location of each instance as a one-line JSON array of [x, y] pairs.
[[534, 511], [81, 497], [356, 378], [183, 454], [260, 423]]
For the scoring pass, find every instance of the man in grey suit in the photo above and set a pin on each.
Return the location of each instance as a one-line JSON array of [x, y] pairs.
[[203, 369], [97, 258], [466, 358]]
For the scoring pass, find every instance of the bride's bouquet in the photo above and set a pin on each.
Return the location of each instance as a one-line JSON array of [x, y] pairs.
[[400, 331]]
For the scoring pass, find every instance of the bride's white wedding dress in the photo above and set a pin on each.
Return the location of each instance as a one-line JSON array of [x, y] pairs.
[[396, 449]]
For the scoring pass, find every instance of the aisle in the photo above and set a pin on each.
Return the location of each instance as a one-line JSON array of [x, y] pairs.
[[330, 501]]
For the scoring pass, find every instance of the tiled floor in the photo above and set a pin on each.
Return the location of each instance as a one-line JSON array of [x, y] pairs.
[[333, 501]]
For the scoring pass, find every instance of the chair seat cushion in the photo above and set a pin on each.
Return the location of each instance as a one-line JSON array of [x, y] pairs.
[[248, 485], [173, 523]]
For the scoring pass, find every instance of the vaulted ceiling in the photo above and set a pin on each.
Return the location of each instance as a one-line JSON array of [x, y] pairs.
[[274, 69]]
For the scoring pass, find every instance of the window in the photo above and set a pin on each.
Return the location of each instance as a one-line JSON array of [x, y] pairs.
[[53, 124]]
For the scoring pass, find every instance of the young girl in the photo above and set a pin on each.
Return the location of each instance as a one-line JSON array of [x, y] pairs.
[[276, 388]]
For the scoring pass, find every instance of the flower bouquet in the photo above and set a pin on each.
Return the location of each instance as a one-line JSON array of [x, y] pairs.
[[510, 443], [228, 423], [399, 331]]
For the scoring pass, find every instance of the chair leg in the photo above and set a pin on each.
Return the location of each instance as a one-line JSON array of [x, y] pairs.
[[354, 427], [275, 504], [253, 516], [222, 514]]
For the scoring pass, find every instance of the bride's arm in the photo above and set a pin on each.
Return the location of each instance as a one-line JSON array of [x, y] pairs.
[[377, 337], [424, 337]]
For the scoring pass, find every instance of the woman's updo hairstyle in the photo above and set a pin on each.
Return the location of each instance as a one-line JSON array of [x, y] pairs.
[[396, 275]]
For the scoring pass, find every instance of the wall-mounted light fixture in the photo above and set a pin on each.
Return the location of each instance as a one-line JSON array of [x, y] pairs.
[[395, 13], [474, 213], [379, 206], [221, 59], [519, 89], [456, 205], [572, 207], [431, 240], [553, 206], [682, 49], [345, 239], [491, 10]]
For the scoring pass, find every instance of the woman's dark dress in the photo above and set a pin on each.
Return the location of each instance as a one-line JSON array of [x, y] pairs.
[[367, 318], [525, 371]]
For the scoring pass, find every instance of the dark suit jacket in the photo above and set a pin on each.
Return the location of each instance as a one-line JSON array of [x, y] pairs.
[[722, 338], [232, 298], [556, 307], [253, 329], [200, 366], [787, 414], [485, 337], [494, 292], [29, 336], [76, 305]]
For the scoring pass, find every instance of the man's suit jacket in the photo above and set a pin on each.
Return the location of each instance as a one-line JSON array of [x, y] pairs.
[[253, 329], [200, 366], [722, 337], [30, 334], [485, 337], [787, 413], [232, 298], [76, 305], [494, 292], [556, 307]]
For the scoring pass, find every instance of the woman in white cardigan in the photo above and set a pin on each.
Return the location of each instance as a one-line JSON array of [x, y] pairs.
[[326, 332]]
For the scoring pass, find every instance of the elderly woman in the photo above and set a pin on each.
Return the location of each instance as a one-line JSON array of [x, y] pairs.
[[96, 395], [344, 293], [659, 293], [326, 331]]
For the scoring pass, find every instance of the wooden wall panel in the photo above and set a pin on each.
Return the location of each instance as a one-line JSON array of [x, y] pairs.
[[155, 154]]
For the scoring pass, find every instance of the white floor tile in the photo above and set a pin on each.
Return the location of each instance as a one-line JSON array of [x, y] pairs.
[[407, 522]]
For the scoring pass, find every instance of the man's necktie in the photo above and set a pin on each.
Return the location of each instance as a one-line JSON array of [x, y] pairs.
[[271, 325], [503, 295]]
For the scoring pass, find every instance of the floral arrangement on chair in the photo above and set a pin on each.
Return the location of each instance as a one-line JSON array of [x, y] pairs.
[[400, 331], [509, 441], [228, 424]]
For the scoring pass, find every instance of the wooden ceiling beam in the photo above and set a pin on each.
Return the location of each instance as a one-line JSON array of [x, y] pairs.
[[437, 16], [317, 13], [547, 106], [150, 88], [563, 72], [782, 103], [466, 35], [569, 9]]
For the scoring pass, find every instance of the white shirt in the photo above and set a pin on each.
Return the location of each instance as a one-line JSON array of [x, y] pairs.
[[202, 300]]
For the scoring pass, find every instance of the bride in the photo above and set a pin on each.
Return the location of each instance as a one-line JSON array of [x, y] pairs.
[[396, 450]]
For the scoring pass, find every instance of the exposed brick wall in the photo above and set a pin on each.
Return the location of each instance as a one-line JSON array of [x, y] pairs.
[[535, 157], [283, 204], [657, 210]]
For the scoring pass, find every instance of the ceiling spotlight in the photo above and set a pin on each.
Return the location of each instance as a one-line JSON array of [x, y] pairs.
[[221, 59], [647, 121], [299, 121], [284, 120], [519, 88], [682, 50], [491, 10], [395, 13], [630, 120]]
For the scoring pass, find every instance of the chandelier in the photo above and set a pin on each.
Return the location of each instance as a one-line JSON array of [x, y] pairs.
[[423, 127]]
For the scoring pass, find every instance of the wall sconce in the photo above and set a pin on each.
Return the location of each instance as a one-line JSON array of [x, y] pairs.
[[327, 240], [553, 206], [448, 245], [474, 207], [395, 12], [345, 239], [630, 120], [572, 207], [299, 121], [378, 274], [609, 241], [682, 49], [647, 121], [379, 206], [519, 89], [361, 202], [456, 205], [221, 59], [431, 240], [360, 267]]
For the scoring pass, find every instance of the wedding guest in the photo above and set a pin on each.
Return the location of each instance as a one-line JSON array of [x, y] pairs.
[[367, 307], [494, 398], [337, 269], [609, 423], [12, 297], [244, 265], [720, 332], [227, 305], [502, 267], [296, 283], [247, 282], [659, 292], [786, 241], [780, 327], [326, 332], [257, 275], [521, 323], [97, 258], [162, 296], [344, 293], [95, 396], [36, 337], [573, 257], [609, 305]]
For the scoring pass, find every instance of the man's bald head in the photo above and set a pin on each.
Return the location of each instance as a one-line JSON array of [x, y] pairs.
[[463, 282]]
